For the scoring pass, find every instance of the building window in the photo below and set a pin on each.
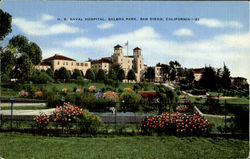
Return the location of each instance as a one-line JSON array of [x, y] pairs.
[[140, 65], [77, 64], [63, 63], [72, 63], [81, 64], [66, 63], [58, 63], [86, 64]]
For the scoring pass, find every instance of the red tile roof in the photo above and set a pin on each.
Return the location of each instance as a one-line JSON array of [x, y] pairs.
[[117, 46], [102, 61], [45, 63], [197, 70], [137, 48], [58, 57]]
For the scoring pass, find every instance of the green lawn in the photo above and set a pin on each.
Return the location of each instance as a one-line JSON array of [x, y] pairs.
[[216, 122], [7, 92], [23, 146], [236, 100]]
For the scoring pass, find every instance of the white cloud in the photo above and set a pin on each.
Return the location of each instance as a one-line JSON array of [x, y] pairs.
[[47, 17], [183, 32], [230, 48], [105, 25], [40, 28], [215, 23]]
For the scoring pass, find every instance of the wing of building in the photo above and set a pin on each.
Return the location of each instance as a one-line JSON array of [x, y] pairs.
[[57, 61]]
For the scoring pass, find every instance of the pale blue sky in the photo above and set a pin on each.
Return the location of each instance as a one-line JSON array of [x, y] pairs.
[[220, 35]]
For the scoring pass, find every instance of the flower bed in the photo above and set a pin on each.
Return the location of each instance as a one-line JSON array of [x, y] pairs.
[[178, 124]]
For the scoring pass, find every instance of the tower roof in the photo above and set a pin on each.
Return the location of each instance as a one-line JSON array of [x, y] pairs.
[[118, 46], [137, 48]]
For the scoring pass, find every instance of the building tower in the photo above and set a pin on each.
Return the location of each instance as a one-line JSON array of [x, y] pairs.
[[118, 50]]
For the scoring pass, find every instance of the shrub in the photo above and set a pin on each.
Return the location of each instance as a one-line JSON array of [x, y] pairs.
[[89, 123], [182, 108], [42, 120], [178, 124], [92, 88], [66, 115], [110, 95], [131, 101], [38, 94], [23, 94], [52, 99]]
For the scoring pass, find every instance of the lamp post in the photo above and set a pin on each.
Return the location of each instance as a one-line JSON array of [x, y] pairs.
[[11, 101]]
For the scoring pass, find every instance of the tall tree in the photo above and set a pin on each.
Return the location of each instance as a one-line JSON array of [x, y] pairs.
[[190, 77], [90, 75], [116, 67], [63, 74], [150, 74], [7, 61], [50, 72], [121, 75], [131, 75], [165, 70], [225, 78], [101, 75], [208, 78], [23, 68], [5, 21], [172, 75], [112, 74], [76, 73]]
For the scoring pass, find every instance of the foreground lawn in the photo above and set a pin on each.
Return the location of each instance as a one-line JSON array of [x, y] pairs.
[[23, 146]]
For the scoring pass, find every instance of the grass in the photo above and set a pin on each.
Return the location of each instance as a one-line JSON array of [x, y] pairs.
[[23, 107], [237, 100], [22, 146], [216, 122], [7, 92]]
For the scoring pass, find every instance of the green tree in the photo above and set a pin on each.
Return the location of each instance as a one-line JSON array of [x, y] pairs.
[[164, 71], [22, 45], [190, 77], [131, 101], [34, 52], [7, 61], [121, 75], [131, 75], [225, 78], [150, 74], [5, 21], [50, 72], [23, 68], [63, 74], [101, 75], [172, 75], [112, 74], [76, 73], [208, 78], [90, 75], [116, 67]]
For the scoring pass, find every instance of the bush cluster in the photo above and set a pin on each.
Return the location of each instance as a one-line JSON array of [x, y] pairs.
[[178, 124]]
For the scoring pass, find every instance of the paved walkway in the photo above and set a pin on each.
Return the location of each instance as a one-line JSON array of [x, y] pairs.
[[27, 112], [22, 104]]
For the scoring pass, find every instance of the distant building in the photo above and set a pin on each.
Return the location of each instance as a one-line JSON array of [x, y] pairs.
[[197, 73], [57, 61], [135, 62], [103, 64], [238, 81]]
